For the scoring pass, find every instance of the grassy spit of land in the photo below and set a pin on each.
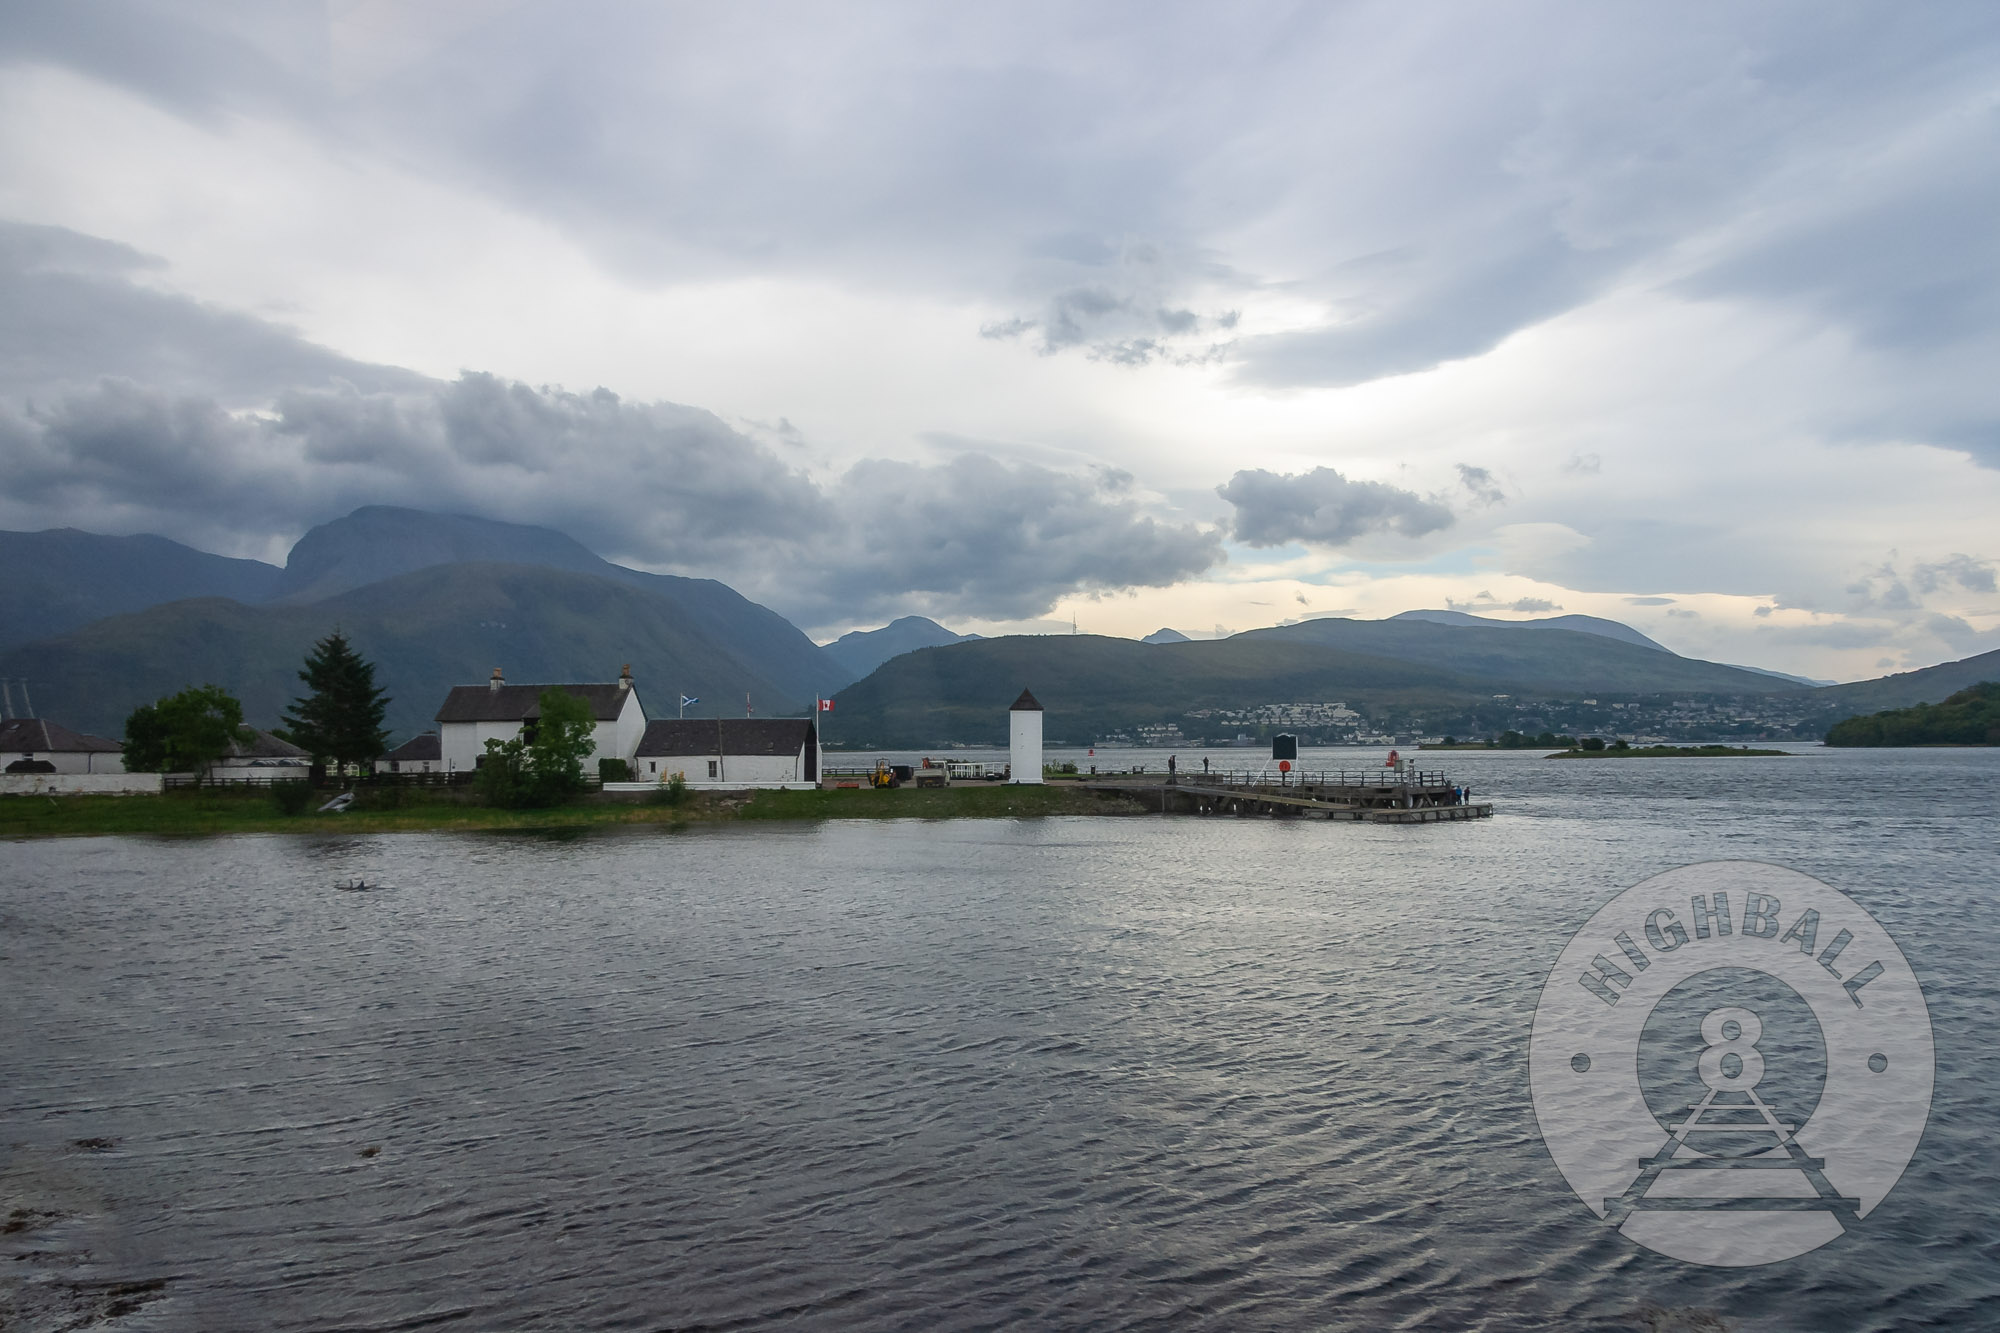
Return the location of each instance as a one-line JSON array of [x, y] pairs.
[[245, 811], [1668, 752]]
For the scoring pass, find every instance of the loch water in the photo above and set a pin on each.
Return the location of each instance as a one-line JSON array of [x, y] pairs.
[[1076, 1073]]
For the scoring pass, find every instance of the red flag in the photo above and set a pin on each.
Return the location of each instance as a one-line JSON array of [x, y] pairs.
[[826, 705]]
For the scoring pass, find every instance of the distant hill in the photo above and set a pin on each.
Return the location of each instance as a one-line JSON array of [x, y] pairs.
[[1165, 635], [863, 650], [1906, 689], [1782, 675], [381, 541], [1550, 661], [426, 631], [1969, 717], [54, 582], [59, 579], [1091, 683], [1610, 629]]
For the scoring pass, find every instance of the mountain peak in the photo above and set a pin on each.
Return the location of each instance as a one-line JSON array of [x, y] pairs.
[[378, 542], [862, 650], [1607, 629]]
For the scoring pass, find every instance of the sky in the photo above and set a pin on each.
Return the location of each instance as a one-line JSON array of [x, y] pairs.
[[1029, 315]]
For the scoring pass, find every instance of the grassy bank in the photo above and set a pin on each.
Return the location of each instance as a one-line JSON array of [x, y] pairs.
[[187, 813], [1670, 752]]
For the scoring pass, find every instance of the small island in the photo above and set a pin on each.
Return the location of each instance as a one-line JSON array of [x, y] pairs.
[[1622, 750], [1970, 717]]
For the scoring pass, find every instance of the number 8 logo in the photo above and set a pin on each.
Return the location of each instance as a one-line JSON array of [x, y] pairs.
[[1724, 1044]]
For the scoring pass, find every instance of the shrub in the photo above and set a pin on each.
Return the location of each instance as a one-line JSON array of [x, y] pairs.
[[1591, 743], [291, 798], [613, 770], [674, 791]]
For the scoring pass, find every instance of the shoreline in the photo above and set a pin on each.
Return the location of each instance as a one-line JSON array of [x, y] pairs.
[[216, 813]]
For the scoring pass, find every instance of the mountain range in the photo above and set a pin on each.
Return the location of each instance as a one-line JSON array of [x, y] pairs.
[[99, 624]]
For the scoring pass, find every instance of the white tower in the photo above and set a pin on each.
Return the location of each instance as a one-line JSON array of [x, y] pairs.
[[1024, 739]]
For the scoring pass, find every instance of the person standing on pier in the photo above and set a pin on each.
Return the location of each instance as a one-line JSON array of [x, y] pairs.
[[1171, 765]]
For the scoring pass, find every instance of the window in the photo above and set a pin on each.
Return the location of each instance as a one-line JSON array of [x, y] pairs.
[[652, 766], [711, 768]]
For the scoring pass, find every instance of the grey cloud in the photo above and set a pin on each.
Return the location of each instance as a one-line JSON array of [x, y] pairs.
[[1485, 601], [1588, 464], [1968, 573], [1480, 482], [655, 484], [1125, 311], [1010, 155], [1649, 601], [71, 314], [976, 535], [1466, 310], [1962, 637], [1324, 508]]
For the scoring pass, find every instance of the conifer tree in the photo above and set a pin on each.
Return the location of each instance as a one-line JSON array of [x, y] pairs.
[[341, 719]]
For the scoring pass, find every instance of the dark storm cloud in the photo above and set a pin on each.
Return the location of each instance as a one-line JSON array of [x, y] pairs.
[[655, 484], [976, 531], [1324, 508], [71, 313]]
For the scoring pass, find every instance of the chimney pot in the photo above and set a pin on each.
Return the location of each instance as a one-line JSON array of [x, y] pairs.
[[497, 680], [625, 679]]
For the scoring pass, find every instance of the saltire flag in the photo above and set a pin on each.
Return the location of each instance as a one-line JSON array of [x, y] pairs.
[[685, 701]]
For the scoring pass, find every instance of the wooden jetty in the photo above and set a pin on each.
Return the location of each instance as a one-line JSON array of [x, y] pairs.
[[1387, 797]]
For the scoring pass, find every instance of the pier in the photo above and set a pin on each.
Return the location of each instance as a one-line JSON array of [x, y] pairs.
[[1386, 796]]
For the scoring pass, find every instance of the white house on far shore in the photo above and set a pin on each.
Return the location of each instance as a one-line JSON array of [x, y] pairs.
[[419, 754], [37, 745], [474, 714], [732, 752], [262, 758]]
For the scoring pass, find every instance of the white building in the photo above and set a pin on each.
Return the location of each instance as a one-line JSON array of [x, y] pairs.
[[1024, 740], [263, 758], [474, 714], [37, 745], [731, 752], [419, 754]]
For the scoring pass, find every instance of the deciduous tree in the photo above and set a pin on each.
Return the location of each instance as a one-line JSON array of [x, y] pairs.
[[187, 732], [544, 764]]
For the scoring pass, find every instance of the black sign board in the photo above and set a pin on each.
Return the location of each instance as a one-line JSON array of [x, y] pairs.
[[1284, 746]]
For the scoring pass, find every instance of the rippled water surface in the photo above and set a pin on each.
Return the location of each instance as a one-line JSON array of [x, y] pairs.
[[1068, 1073]]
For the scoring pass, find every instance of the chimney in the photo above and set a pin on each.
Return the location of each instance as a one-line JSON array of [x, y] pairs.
[[497, 681], [625, 680]]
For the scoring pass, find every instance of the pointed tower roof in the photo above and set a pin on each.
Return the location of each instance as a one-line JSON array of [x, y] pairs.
[[1026, 704]]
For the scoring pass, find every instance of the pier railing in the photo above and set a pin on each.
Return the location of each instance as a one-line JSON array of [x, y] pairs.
[[1248, 778]]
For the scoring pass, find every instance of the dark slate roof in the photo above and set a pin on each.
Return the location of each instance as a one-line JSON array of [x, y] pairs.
[[426, 746], [518, 703], [726, 735], [263, 745], [1025, 704], [31, 735]]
